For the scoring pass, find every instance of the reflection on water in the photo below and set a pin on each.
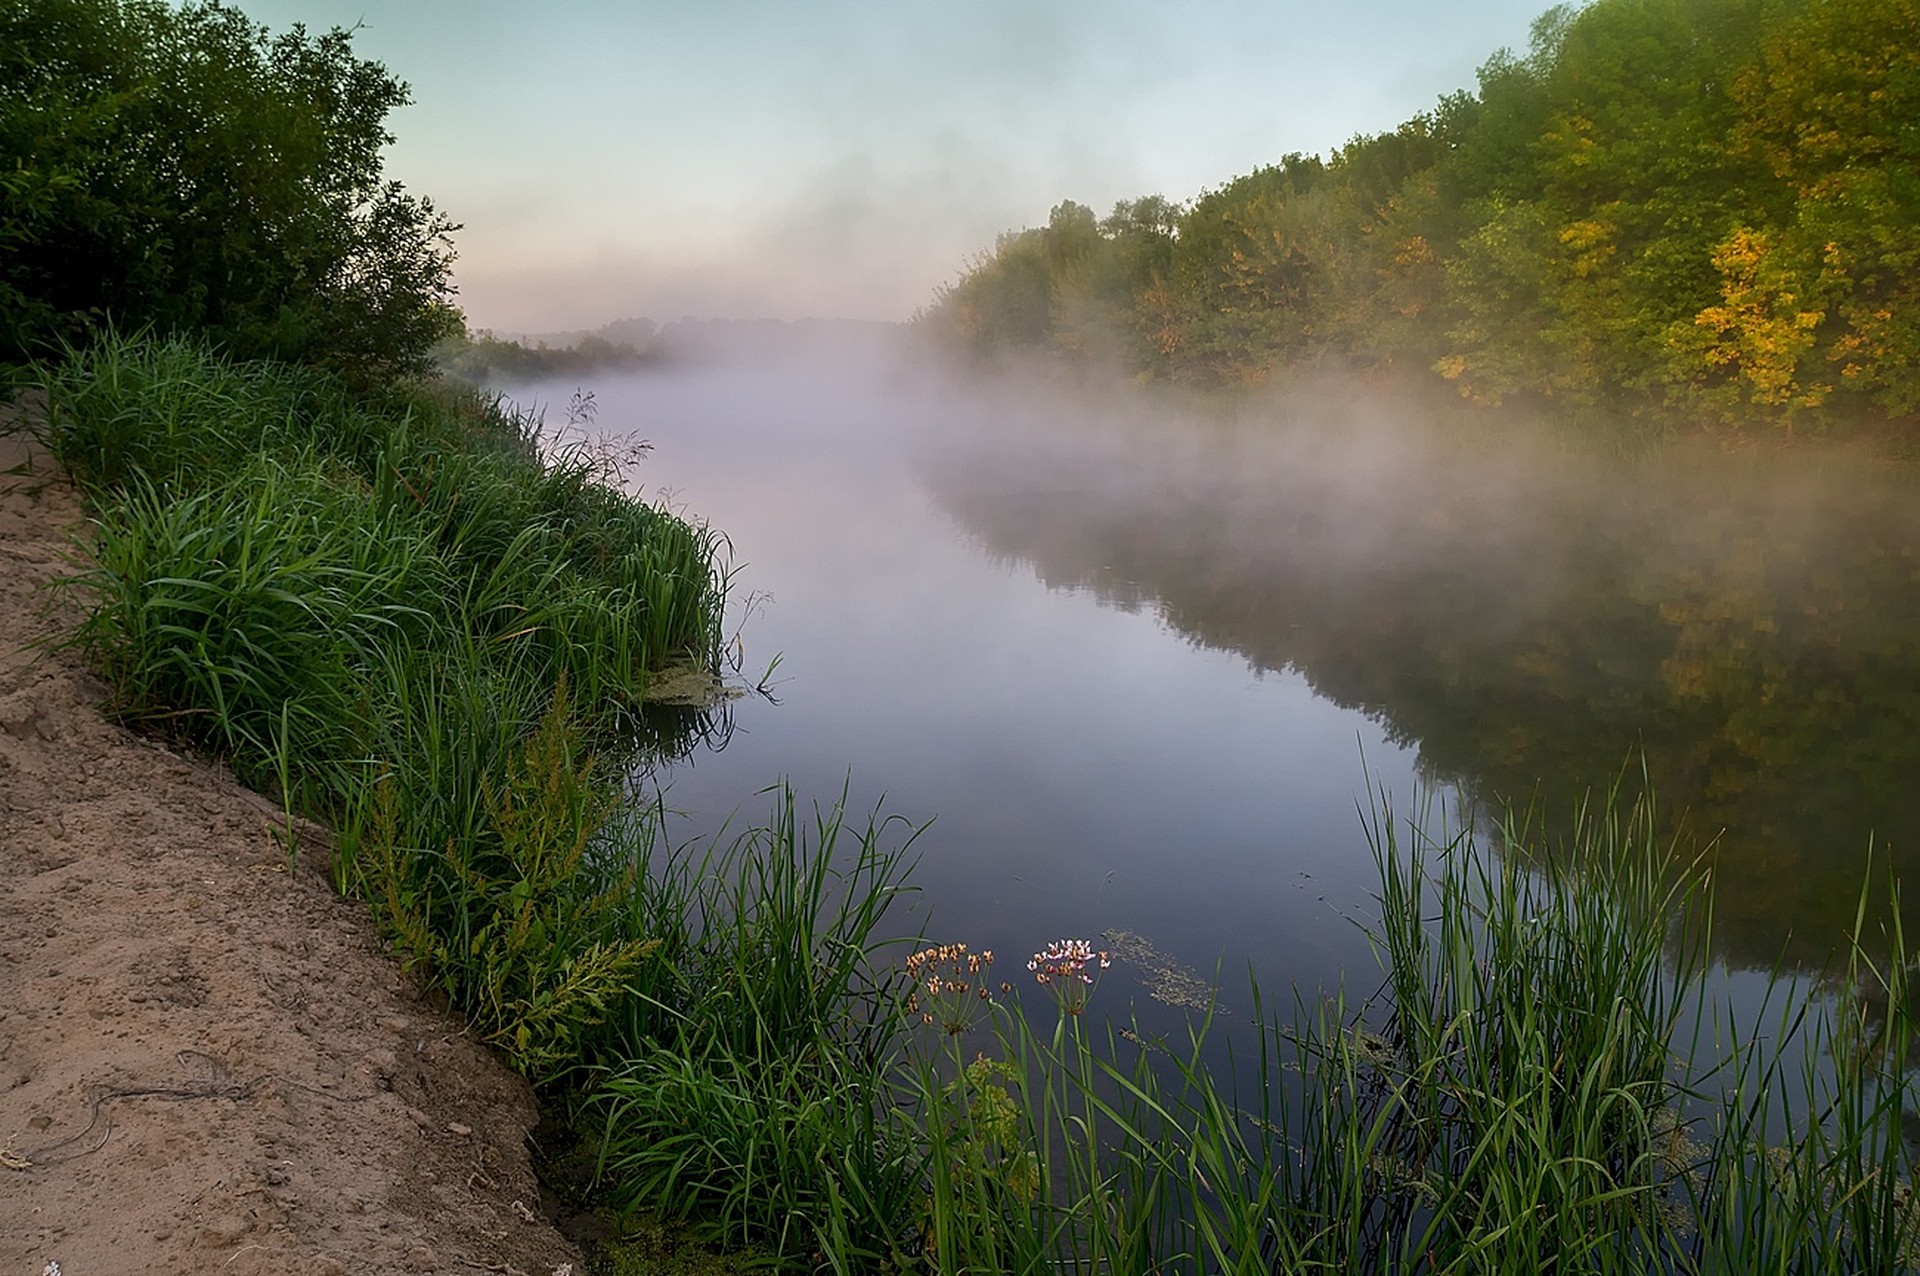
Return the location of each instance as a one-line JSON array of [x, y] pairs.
[[1085, 768], [1130, 664], [1528, 620], [671, 732]]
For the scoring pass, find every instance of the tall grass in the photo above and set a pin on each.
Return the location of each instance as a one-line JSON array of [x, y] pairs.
[[1546, 1082], [413, 618], [231, 496], [255, 614], [176, 413], [752, 1098]]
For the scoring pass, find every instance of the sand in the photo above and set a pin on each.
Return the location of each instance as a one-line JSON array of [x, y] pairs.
[[208, 1060]]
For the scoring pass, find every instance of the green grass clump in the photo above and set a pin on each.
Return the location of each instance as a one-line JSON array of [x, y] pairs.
[[1543, 1084], [518, 914], [753, 1098], [247, 492], [253, 615], [403, 611], [177, 413]]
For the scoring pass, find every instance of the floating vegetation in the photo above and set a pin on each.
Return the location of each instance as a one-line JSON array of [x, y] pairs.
[[1165, 979], [692, 686]]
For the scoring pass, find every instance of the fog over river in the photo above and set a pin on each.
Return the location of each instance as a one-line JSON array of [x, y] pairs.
[[1140, 661]]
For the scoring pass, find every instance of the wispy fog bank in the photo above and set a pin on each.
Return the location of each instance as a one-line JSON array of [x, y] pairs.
[[843, 159], [1525, 613]]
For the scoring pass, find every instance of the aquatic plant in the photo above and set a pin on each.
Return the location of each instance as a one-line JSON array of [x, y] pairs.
[[950, 986], [1068, 969], [747, 1089], [1544, 1082]]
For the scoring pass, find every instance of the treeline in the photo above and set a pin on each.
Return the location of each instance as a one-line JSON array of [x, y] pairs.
[[488, 358], [484, 357], [1701, 209]]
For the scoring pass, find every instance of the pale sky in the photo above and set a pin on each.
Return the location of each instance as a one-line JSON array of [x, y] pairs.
[[839, 158]]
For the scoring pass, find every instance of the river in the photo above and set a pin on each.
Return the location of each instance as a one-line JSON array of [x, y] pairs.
[[1143, 667]]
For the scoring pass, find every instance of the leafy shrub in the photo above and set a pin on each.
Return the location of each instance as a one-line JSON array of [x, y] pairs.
[[182, 168]]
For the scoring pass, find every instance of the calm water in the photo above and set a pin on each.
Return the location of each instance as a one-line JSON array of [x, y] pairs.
[[1139, 670]]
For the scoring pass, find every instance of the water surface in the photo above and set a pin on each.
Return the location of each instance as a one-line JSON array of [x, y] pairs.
[[1140, 664]]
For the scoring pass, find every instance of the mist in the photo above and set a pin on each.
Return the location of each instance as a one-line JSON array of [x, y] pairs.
[[1137, 652], [1393, 557], [845, 160]]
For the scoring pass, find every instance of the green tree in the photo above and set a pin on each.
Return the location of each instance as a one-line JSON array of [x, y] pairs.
[[1132, 280], [186, 169], [1250, 271], [1687, 209], [1599, 179], [1830, 107], [1003, 299], [1387, 287], [1034, 290]]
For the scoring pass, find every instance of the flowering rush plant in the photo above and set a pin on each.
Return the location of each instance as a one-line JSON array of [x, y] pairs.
[[950, 986], [1069, 968]]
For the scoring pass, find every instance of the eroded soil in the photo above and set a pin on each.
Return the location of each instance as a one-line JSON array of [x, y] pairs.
[[207, 1061]]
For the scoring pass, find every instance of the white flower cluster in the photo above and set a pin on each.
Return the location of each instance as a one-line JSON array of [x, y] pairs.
[[1067, 968]]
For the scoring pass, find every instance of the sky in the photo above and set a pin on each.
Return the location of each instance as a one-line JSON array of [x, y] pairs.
[[841, 159]]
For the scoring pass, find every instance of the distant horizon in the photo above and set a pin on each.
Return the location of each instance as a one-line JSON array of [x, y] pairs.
[[558, 336], [848, 159]]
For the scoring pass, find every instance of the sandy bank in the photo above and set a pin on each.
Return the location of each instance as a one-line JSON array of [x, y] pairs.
[[207, 1062]]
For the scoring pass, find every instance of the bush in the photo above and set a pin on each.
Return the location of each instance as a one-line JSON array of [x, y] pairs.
[[184, 169]]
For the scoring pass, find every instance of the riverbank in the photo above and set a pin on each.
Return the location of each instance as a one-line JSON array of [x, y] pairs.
[[750, 1066], [208, 1060]]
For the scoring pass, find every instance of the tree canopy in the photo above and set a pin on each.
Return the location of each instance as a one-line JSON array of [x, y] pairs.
[[1707, 209], [185, 169]]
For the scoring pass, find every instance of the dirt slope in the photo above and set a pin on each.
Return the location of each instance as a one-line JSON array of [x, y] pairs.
[[207, 1062]]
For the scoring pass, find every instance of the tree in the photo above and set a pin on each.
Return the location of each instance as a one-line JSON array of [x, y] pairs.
[[1250, 269], [1830, 108], [1596, 180], [1688, 209], [185, 169]]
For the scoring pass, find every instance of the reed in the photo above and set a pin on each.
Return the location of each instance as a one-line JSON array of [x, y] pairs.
[[1545, 1082], [749, 1091]]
